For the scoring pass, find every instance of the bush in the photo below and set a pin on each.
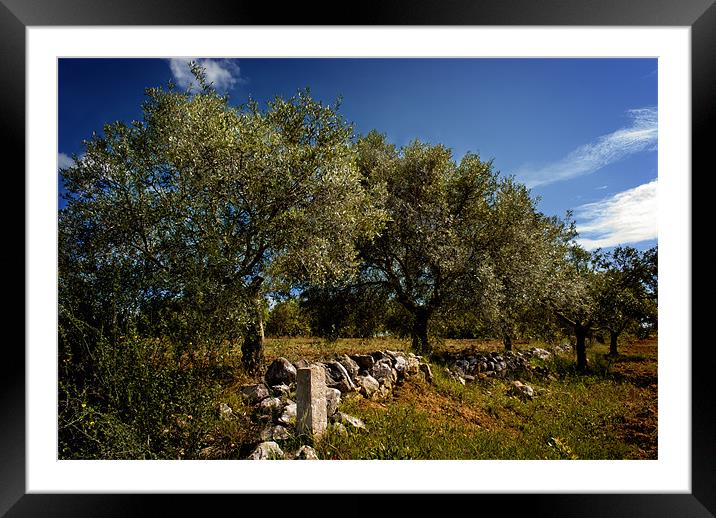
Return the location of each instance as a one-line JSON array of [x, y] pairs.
[[133, 403]]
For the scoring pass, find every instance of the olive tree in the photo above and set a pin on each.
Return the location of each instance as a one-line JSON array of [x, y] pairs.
[[627, 292], [207, 205], [526, 247], [458, 236]]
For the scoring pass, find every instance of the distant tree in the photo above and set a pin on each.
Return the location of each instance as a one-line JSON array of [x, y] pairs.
[[572, 297], [526, 248], [287, 318], [201, 206], [627, 293], [351, 310]]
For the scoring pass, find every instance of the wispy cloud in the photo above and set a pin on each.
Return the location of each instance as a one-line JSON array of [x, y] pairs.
[[627, 217], [600, 188], [64, 161], [641, 135], [224, 73]]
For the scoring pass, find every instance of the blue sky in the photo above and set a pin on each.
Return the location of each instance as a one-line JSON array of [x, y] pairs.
[[581, 133]]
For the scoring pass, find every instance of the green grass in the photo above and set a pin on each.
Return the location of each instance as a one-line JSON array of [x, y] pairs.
[[574, 416], [607, 413]]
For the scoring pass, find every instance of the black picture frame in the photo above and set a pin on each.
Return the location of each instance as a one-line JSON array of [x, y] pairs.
[[700, 15]]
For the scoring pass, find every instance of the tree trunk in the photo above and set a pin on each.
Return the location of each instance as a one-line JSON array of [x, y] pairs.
[[252, 350], [507, 341], [613, 335], [421, 344], [581, 334]]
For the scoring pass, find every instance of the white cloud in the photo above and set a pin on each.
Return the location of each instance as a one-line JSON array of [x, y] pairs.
[[627, 217], [64, 161], [607, 149], [223, 73]]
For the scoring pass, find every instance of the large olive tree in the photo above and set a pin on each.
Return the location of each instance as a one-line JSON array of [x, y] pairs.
[[201, 205], [457, 236]]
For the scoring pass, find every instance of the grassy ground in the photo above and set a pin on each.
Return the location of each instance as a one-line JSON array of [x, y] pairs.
[[608, 413]]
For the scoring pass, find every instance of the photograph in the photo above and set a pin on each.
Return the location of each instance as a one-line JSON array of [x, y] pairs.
[[422, 247], [357, 258]]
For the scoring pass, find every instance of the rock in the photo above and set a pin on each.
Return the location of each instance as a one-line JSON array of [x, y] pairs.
[[351, 366], [302, 364], [542, 354], [349, 420], [225, 411], [367, 385], [305, 452], [333, 399], [378, 355], [522, 390], [413, 365], [382, 369], [365, 362], [282, 390], [469, 377], [342, 381], [266, 451], [274, 433], [270, 405], [401, 366], [288, 417], [255, 393], [281, 371], [427, 371]]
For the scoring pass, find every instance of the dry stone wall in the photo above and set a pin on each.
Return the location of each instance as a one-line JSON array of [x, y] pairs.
[[273, 401]]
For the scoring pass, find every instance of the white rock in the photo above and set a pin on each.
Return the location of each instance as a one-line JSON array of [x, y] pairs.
[[349, 420], [288, 416], [274, 433], [349, 365], [255, 393], [333, 399], [266, 451], [522, 389], [427, 371], [305, 452], [225, 411], [281, 371], [368, 385], [270, 405]]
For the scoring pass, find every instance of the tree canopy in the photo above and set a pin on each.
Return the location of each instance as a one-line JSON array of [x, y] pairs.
[[457, 234], [196, 209]]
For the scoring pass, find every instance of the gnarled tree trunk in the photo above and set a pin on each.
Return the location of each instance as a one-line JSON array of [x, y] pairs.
[[613, 335], [421, 345], [507, 341], [252, 350], [581, 334]]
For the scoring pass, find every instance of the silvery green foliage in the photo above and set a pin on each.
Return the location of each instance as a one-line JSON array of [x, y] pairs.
[[194, 204], [626, 288], [457, 235], [529, 251]]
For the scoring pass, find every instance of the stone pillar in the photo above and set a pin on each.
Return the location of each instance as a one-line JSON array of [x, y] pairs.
[[311, 416]]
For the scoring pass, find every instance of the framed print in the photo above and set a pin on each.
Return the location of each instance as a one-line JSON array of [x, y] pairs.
[[40, 38]]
